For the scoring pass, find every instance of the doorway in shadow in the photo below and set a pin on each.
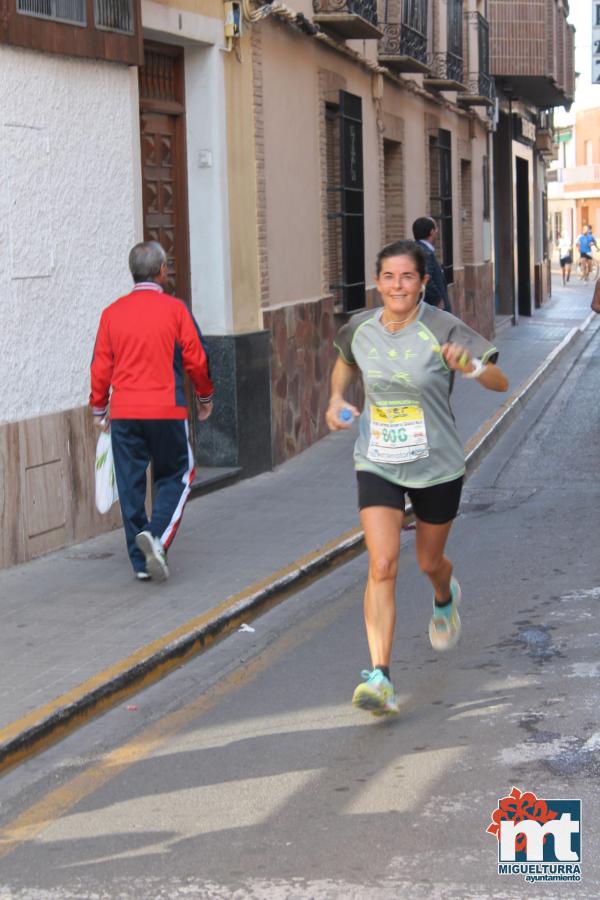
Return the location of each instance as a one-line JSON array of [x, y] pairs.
[[523, 238]]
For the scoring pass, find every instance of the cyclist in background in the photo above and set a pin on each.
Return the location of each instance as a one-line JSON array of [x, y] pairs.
[[585, 242]]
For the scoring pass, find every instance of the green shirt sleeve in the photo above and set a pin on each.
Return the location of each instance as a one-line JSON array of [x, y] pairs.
[[343, 343], [477, 345]]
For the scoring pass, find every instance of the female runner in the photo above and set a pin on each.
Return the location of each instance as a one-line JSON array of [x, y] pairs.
[[407, 354]]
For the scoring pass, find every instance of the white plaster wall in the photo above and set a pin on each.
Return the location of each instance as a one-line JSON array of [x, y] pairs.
[[69, 213], [208, 190]]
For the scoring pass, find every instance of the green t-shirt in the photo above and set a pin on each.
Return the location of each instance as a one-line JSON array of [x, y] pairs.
[[407, 432]]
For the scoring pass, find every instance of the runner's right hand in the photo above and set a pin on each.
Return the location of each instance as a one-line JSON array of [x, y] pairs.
[[332, 416]]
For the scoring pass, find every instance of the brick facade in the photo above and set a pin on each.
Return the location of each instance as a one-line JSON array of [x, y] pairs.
[[466, 211], [394, 210]]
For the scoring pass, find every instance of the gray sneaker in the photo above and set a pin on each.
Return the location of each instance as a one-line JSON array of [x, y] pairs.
[[445, 628], [156, 560]]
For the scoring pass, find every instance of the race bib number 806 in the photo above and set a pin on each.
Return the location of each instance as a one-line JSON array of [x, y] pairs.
[[398, 434]]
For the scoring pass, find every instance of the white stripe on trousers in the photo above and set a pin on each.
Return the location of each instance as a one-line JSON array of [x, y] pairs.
[[186, 480]]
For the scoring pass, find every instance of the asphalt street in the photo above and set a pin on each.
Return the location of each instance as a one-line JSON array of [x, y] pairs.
[[248, 774]]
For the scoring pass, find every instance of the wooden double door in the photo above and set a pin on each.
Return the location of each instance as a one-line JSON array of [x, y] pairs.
[[164, 177]]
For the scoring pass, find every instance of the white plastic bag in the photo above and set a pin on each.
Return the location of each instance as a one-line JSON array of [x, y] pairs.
[[106, 483]]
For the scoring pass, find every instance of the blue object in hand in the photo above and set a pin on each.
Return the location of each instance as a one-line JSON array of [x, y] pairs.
[[346, 415]]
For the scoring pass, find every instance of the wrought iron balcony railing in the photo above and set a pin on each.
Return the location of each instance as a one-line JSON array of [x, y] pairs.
[[403, 48], [446, 72], [480, 90], [347, 18]]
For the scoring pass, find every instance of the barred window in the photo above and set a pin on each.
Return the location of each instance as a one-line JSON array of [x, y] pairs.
[[109, 15], [114, 15], [71, 11]]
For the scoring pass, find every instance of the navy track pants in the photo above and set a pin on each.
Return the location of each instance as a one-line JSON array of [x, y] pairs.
[[164, 442]]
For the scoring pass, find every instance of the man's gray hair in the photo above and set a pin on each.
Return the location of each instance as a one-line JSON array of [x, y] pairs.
[[145, 260]]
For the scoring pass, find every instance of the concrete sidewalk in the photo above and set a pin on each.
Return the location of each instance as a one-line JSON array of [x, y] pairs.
[[75, 622]]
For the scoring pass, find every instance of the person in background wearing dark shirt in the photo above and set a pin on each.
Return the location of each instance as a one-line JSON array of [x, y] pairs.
[[436, 292]]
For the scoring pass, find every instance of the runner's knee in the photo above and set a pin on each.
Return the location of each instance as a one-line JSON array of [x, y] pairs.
[[383, 569]]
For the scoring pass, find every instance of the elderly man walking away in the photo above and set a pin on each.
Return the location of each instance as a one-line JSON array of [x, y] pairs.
[[425, 232], [145, 342]]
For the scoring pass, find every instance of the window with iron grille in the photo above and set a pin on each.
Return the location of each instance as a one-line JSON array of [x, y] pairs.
[[109, 15], [483, 45], [414, 14], [114, 15], [334, 203], [88, 29], [345, 202], [440, 196], [455, 27], [69, 11]]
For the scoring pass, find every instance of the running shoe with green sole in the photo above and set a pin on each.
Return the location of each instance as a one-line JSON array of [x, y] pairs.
[[445, 627], [375, 694]]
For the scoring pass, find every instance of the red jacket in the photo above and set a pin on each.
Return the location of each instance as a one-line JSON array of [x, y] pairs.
[[145, 341]]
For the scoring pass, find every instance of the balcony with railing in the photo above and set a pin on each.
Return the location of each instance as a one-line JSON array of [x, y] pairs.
[[446, 62], [347, 19], [480, 90], [447, 72], [545, 142], [404, 43], [580, 175], [532, 50]]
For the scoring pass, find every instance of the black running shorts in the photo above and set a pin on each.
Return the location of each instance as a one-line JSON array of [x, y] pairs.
[[436, 505]]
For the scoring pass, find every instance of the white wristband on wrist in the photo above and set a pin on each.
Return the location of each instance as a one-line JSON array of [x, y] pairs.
[[479, 367]]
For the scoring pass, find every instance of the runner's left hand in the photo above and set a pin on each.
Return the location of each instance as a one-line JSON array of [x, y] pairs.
[[457, 357]]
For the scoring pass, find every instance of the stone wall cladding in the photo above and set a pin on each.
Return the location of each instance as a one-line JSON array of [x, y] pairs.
[[302, 359], [471, 297]]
